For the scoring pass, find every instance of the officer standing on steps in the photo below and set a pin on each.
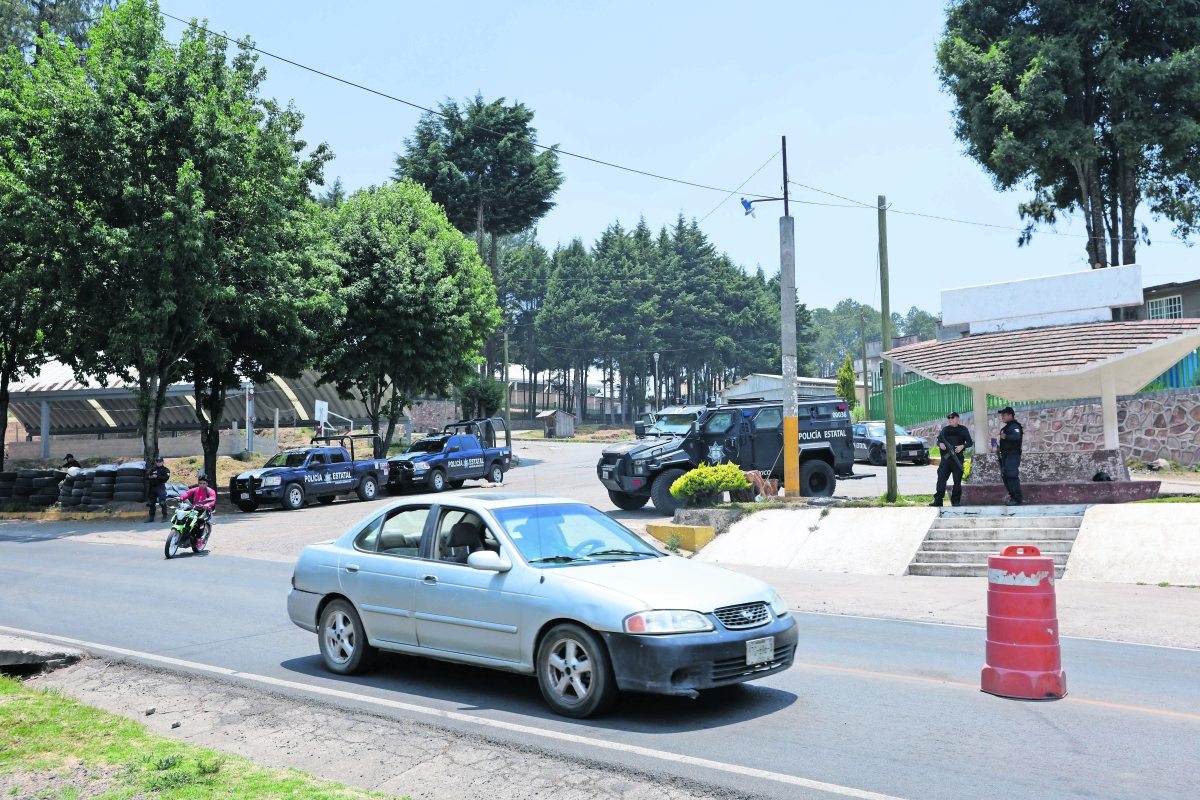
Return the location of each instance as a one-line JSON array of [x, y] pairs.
[[1009, 451], [952, 441]]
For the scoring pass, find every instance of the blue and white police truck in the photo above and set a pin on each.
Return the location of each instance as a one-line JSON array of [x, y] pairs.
[[320, 472], [470, 449]]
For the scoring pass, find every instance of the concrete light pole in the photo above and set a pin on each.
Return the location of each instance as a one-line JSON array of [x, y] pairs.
[[787, 327]]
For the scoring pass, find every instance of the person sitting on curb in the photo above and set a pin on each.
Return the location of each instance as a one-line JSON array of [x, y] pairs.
[[157, 478]]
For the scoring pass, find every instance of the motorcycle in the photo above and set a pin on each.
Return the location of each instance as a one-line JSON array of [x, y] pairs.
[[190, 527]]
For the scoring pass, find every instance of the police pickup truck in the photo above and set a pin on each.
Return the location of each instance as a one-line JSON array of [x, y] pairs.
[[291, 477], [469, 449], [746, 433]]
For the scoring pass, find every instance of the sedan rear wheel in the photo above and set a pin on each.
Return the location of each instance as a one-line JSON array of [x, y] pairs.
[[343, 641], [574, 672]]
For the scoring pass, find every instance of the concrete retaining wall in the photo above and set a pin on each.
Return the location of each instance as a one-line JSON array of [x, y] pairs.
[[864, 541], [169, 446], [1148, 542]]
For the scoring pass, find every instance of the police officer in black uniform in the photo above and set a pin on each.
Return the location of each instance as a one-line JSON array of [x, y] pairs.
[[1009, 451], [157, 478], [952, 441]]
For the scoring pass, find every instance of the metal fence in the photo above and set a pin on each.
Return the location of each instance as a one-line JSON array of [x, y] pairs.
[[922, 400]]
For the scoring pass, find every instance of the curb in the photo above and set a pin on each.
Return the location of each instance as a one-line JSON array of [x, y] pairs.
[[63, 516]]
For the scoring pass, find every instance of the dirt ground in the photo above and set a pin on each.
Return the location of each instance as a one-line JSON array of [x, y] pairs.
[[396, 756]]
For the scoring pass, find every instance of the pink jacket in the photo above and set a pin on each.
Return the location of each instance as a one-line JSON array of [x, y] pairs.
[[201, 497]]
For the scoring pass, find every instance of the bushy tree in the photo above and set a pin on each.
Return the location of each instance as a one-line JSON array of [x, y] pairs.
[[418, 301], [22, 21], [479, 396], [847, 388]]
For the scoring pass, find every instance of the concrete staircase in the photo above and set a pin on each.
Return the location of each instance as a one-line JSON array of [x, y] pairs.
[[960, 539]]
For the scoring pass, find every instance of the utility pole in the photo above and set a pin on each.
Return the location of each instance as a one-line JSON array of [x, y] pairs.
[[507, 393], [862, 326], [656, 386], [250, 417], [787, 326], [889, 411]]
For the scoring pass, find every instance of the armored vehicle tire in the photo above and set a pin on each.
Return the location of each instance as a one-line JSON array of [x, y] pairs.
[[575, 673], [496, 473], [456, 484], [628, 502], [343, 639], [248, 507], [293, 497], [660, 491], [326, 499], [368, 489], [437, 481], [816, 479], [876, 457]]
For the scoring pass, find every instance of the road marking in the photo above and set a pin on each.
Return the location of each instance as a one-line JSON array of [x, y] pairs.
[[983, 628], [1067, 699], [677, 758]]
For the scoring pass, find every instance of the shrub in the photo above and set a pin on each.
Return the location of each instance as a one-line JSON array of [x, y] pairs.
[[702, 485]]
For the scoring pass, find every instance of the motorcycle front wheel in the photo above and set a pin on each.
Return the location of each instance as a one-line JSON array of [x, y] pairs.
[[172, 546]]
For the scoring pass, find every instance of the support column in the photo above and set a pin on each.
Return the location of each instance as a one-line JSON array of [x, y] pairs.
[[250, 418], [1108, 407], [45, 429], [983, 441]]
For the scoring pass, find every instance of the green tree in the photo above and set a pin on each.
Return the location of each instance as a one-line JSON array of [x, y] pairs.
[[479, 396], [847, 389], [334, 196], [418, 301], [1089, 105], [481, 163], [39, 102], [21, 21], [922, 323]]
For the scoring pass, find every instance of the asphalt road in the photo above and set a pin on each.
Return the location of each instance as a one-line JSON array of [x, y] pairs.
[[875, 706]]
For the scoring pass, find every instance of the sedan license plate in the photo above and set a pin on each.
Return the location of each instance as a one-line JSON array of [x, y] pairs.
[[760, 651], [245, 496]]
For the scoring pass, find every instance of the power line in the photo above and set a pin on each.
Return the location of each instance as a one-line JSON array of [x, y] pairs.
[[393, 98], [738, 189]]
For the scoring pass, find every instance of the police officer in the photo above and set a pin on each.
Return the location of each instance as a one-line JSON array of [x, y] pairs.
[[1009, 451], [157, 479], [70, 462], [952, 441]]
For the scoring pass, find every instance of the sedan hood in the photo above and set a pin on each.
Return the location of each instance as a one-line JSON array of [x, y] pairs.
[[673, 582]]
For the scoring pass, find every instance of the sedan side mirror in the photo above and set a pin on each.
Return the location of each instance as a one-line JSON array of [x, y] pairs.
[[488, 561], [639, 429]]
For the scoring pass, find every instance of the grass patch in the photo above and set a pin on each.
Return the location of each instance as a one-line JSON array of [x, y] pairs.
[[44, 732], [902, 501], [1177, 499]]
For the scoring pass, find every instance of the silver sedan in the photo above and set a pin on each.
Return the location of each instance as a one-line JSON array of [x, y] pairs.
[[536, 585]]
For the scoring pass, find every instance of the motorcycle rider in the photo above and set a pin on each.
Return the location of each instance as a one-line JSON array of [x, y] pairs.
[[201, 497]]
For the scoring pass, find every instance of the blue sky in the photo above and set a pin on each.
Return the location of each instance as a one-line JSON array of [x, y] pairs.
[[697, 91]]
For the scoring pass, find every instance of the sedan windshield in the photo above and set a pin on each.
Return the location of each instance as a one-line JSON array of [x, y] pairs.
[[673, 423], [293, 458], [431, 445], [570, 533], [878, 430]]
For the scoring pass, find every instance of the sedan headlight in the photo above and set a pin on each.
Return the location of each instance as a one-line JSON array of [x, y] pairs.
[[667, 622], [779, 605], [422, 465], [271, 480]]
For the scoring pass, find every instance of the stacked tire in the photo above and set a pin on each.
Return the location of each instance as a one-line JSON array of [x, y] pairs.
[[65, 488], [129, 485], [79, 488], [23, 486], [103, 485], [45, 487], [85, 497], [7, 481]]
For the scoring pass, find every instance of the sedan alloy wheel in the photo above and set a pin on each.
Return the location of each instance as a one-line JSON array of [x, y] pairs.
[[574, 672]]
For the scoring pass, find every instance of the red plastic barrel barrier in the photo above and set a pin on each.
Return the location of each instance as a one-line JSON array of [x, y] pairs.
[[1024, 658]]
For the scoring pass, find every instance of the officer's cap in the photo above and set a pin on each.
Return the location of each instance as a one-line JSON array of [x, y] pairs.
[[1008, 410], [952, 415]]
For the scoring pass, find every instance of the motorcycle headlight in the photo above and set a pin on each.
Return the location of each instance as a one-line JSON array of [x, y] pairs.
[[422, 465], [272, 480], [667, 622], [779, 605]]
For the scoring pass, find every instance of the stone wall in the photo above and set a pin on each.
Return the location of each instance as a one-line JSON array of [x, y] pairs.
[[430, 416], [1154, 425]]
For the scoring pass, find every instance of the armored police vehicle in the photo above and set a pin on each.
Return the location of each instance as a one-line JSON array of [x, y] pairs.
[[291, 477], [747, 433], [870, 444], [470, 449]]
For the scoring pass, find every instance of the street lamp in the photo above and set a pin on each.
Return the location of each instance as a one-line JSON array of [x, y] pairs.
[[656, 383], [787, 308]]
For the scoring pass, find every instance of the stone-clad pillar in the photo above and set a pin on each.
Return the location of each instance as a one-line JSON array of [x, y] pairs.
[[1108, 407], [980, 433]]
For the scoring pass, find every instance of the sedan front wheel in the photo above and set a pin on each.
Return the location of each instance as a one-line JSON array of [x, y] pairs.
[[575, 673]]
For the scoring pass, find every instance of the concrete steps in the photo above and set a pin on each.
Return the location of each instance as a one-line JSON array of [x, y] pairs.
[[960, 539]]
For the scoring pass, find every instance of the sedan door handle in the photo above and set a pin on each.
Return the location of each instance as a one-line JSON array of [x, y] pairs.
[[431, 580], [352, 568]]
